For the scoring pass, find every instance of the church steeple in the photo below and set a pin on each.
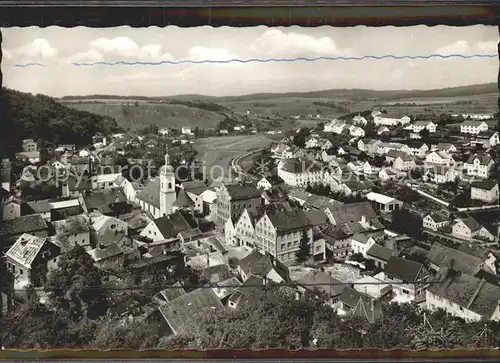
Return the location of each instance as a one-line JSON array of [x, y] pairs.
[[167, 159]]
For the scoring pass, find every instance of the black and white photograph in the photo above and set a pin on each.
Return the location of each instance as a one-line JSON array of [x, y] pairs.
[[249, 188]]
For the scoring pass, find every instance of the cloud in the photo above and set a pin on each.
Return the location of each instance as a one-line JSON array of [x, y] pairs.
[[214, 54], [84, 57], [488, 47], [459, 47], [283, 44], [126, 47], [37, 48], [6, 54]]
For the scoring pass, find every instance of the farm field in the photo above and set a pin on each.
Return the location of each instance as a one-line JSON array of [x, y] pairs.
[[219, 151], [130, 116], [185, 110]]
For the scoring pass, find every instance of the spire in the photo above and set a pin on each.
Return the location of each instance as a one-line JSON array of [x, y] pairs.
[[167, 161]]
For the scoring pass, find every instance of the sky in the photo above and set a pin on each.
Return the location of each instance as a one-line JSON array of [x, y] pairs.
[[59, 48]]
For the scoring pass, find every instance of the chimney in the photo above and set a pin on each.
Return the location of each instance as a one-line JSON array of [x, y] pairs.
[[208, 259]]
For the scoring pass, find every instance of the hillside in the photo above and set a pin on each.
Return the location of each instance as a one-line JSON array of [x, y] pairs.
[[137, 115], [351, 94], [38, 116]]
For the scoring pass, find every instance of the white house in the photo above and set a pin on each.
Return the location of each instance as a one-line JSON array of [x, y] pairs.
[[186, 130], [299, 172], [269, 182], [423, 125], [418, 149], [356, 131], [383, 202], [163, 131], [464, 296], [335, 126], [439, 158], [469, 228], [382, 129], [473, 127], [485, 190], [388, 174], [404, 162], [487, 139], [361, 243], [479, 165], [445, 148], [435, 221], [385, 147], [408, 278], [369, 146], [384, 120], [440, 174]]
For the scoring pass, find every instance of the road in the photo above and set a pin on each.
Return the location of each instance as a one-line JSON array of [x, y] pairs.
[[217, 154]]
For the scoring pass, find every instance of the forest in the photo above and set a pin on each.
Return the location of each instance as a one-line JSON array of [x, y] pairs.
[[80, 310], [41, 117]]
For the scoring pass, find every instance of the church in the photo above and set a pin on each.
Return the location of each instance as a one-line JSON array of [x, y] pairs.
[[159, 196]]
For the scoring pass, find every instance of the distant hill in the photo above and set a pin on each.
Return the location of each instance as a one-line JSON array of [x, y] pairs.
[[352, 94], [41, 117]]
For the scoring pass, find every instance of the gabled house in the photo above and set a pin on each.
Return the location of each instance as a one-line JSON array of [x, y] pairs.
[[384, 203], [380, 255], [435, 221], [479, 165], [473, 127], [356, 131], [439, 158], [469, 229], [417, 148], [361, 243], [418, 126], [359, 120], [270, 182], [485, 190], [29, 259], [182, 311], [264, 266], [169, 227], [487, 139], [445, 147], [464, 296], [390, 120], [408, 278], [299, 172]]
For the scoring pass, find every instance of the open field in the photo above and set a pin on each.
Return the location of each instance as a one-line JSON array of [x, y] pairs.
[[202, 111], [219, 151], [130, 116]]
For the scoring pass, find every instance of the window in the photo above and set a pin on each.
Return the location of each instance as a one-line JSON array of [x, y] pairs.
[[282, 246], [21, 271]]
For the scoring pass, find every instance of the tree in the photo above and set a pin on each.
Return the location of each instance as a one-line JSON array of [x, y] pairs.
[[76, 287], [304, 250], [405, 221], [424, 133], [299, 139]]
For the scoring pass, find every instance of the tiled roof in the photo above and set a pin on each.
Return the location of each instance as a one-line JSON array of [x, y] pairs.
[[183, 200], [361, 304], [24, 224], [484, 159], [173, 292], [76, 224], [286, 221], [403, 269], [260, 265], [471, 293], [298, 166], [171, 225], [103, 199], [322, 281], [26, 248], [99, 254], [443, 256], [180, 312], [484, 184], [359, 237], [380, 252], [439, 217], [150, 194], [243, 191], [352, 212], [471, 223], [316, 217]]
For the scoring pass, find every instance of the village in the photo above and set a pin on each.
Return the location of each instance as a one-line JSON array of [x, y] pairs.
[[368, 209]]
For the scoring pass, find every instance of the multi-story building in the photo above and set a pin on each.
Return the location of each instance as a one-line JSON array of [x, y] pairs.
[[299, 172], [409, 279], [233, 199], [423, 125], [279, 232], [385, 120], [479, 165], [485, 190], [464, 296], [473, 127], [435, 221]]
